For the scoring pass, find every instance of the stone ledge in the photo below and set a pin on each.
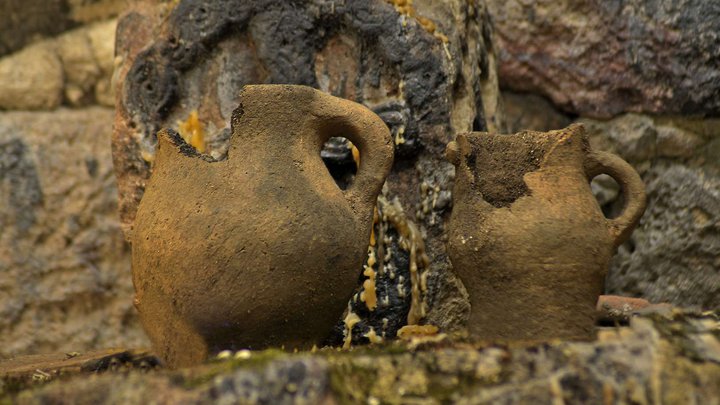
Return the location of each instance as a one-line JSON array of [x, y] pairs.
[[657, 359]]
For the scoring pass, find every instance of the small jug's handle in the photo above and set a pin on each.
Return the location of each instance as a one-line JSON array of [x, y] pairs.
[[340, 117], [632, 187]]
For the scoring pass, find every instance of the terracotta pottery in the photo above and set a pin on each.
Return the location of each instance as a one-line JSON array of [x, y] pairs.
[[526, 235], [263, 248]]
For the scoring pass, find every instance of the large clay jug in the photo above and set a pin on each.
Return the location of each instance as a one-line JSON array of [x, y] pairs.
[[263, 248], [526, 235]]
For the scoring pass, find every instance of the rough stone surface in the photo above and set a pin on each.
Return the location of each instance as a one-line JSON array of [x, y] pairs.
[[531, 112], [673, 255], [674, 360], [31, 79], [76, 69], [87, 58], [24, 21], [64, 266], [601, 58], [426, 81]]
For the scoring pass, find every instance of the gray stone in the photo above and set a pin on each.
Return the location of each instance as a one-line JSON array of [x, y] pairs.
[[602, 58], [21, 21], [632, 136], [531, 112], [673, 254], [673, 359], [676, 142], [64, 266], [76, 68], [31, 79], [25, 21], [87, 57]]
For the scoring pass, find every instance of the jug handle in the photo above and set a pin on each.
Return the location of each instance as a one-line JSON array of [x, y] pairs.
[[344, 118], [632, 187]]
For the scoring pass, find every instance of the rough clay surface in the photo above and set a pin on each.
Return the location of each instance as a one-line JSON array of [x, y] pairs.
[[260, 249], [526, 235], [655, 360], [601, 58], [64, 266], [672, 255], [423, 87]]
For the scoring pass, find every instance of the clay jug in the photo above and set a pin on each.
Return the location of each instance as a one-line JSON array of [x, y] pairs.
[[526, 235], [263, 248]]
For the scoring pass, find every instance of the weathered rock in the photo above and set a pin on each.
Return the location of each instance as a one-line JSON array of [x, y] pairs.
[[76, 67], [674, 359], [531, 112], [427, 70], [102, 41], [603, 58], [87, 57], [24, 21], [31, 79], [673, 255], [64, 266]]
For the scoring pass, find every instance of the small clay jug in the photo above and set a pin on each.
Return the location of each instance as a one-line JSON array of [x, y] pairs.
[[263, 248], [526, 235]]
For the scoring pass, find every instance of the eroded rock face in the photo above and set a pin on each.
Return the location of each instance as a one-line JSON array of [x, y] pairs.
[[23, 21], [31, 79], [426, 77], [73, 69], [603, 58], [64, 266], [673, 256]]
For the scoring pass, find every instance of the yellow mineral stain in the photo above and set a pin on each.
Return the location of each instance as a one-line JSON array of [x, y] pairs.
[[350, 320], [192, 131], [356, 155], [399, 136], [369, 295], [373, 337], [409, 331], [376, 218], [412, 241], [147, 156], [405, 7]]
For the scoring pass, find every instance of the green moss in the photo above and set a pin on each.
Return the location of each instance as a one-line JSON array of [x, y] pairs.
[[193, 378]]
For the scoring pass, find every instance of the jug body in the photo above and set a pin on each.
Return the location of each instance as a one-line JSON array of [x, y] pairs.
[[261, 249], [527, 236]]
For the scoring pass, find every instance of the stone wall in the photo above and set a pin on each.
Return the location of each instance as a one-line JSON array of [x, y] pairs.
[[642, 74], [64, 265]]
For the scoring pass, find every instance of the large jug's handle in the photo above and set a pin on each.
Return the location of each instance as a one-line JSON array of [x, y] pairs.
[[344, 118], [632, 187]]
